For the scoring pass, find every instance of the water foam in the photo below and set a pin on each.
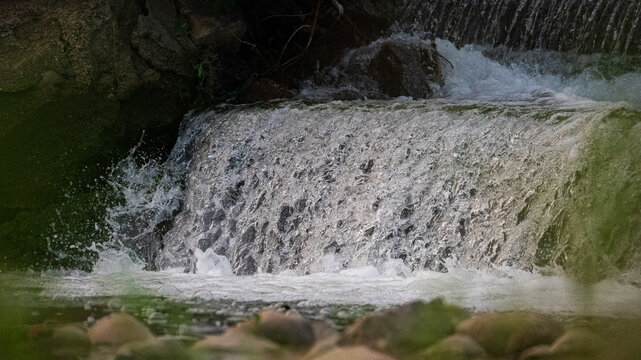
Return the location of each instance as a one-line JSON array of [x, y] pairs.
[[499, 288], [531, 76]]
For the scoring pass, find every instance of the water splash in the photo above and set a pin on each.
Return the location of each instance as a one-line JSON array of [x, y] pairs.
[[532, 76]]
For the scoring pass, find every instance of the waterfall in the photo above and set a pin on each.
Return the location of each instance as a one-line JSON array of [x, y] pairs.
[[584, 26], [513, 166], [298, 187]]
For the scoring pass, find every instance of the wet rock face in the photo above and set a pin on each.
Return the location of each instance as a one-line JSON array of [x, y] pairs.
[[387, 68], [402, 70]]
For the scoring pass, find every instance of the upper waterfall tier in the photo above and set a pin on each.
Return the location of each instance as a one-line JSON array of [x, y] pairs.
[[585, 26]]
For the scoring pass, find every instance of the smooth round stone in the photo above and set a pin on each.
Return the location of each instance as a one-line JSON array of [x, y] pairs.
[[69, 341], [236, 340], [353, 353], [285, 329], [153, 350], [455, 347], [118, 329], [507, 333]]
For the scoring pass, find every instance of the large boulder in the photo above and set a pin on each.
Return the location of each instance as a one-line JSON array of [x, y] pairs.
[[389, 68]]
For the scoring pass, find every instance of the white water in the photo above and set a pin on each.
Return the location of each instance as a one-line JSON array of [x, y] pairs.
[[473, 77], [500, 288], [540, 76]]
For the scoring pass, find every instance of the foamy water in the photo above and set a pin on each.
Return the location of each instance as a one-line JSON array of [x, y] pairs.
[[473, 76], [540, 76], [499, 288]]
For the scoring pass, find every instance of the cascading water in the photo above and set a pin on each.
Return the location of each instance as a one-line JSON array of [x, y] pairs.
[[608, 26], [524, 167], [502, 171]]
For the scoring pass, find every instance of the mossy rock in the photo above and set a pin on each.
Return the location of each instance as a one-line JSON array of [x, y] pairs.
[[407, 329]]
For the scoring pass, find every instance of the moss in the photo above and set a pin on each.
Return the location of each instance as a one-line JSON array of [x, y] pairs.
[[409, 328], [598, 234], [460, 109], [401, 106], [488, 110]]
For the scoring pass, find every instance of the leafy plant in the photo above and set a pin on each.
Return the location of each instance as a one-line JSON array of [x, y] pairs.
[[224, 5], [204, 69]]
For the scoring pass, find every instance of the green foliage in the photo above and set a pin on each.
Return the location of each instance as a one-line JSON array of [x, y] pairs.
[[182, 27], [204, 70], [224, 5]]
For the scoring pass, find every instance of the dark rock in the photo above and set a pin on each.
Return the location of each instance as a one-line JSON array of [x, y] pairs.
[[159, 46], [232, 195], [366, 168], [245, 264], [264, 89], [286, 212], [390, 68], [249, 235], [219, 216], [164, 11], [403, 70], [224, 32], [370, 231], [232, 227]]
